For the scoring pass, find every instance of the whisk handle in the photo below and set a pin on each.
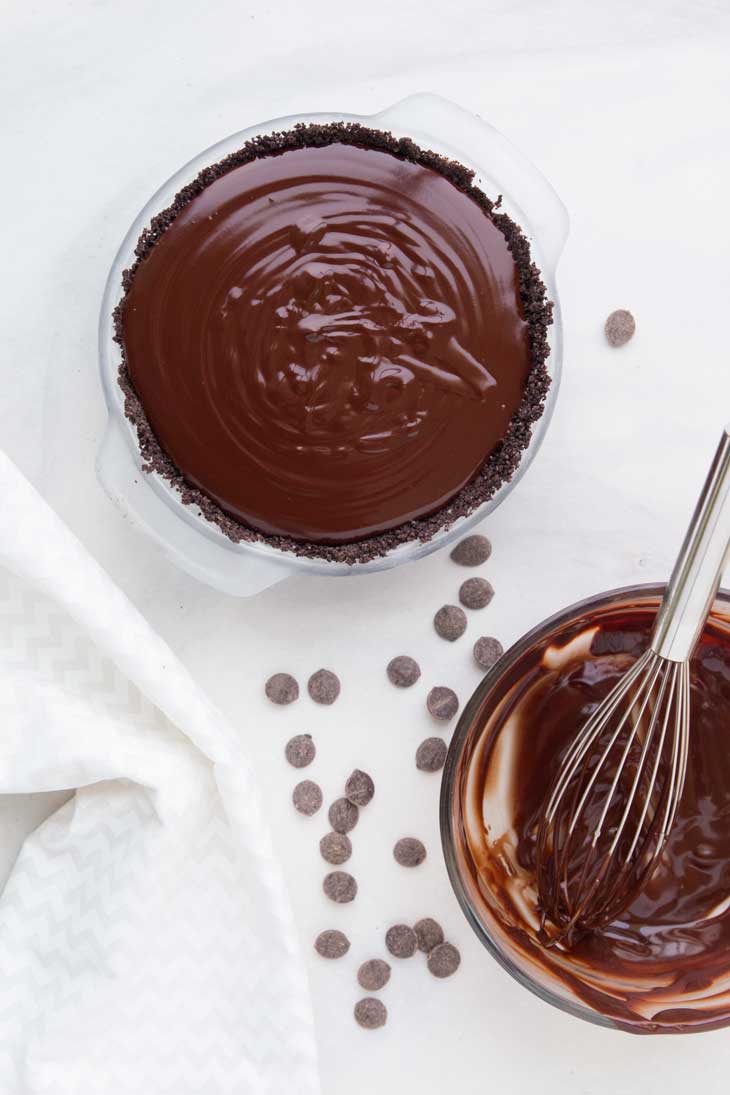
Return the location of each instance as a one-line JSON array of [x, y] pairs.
[[698, 570]]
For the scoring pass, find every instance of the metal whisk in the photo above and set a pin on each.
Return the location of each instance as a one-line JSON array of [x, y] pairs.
[[611, 806]]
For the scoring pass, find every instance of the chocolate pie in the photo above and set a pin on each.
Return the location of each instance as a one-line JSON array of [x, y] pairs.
[[333, 341]]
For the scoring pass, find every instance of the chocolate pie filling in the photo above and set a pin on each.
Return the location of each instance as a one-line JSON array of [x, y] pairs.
[[332, 338]]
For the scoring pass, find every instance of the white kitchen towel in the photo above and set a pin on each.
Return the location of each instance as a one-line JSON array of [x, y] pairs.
[[146, 941]]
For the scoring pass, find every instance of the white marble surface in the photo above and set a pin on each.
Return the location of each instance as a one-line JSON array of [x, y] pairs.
[[624, 107]]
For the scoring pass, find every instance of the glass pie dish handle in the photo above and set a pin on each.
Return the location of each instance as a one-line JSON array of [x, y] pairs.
[[140, 497], [500, 167]]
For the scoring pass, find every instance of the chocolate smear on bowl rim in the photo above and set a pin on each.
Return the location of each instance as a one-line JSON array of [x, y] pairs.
[[499, 465], [332, 944]]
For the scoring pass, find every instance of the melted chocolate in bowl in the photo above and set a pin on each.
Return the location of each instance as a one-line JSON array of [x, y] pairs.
[[331, 342], [664, 964]]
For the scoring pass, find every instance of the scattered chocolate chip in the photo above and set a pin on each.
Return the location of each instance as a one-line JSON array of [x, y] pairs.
[[371, 1013], [429, 934], [476, 593], [332, 944], [307, 797], [620, 327], [282, 689], [300, 750], [487, 651], [472, 552], [409, 852], [403, 671], [431, 755], [340, 886], [444, 960], [442, 703], [343, 815], [401, 941], [373, 974], [359, 788], [450, 622], [335, 848], [324, 686]]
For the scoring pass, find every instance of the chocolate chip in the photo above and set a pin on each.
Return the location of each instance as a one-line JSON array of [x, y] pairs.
[[431, 755], [429, 934], [335, 848], [373, 974], [340, 886], [442, 703], [401, 941], [472, 552], [371, 1013], [282, 688], [343, 815], [444, 960], [487, 651], [300, 750], [332, 944], [307, 797], [324, 686], [476, 593], [403, 671], [359, 788], [620, 327], [450, 622], [409, 852]]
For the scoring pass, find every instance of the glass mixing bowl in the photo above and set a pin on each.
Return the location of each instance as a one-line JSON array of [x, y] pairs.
[[491, 692], [152, 503]]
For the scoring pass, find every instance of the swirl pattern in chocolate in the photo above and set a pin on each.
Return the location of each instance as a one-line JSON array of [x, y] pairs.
[[663, 964], [329, 342]]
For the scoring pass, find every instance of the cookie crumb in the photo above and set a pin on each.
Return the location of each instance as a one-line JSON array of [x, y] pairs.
[[619, 327]]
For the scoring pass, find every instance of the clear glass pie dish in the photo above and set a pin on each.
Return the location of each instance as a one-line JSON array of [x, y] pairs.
[[154, 505], [657, 1006]]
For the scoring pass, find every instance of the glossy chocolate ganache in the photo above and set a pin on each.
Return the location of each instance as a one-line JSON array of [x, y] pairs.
[[663, 965], [334, 338]]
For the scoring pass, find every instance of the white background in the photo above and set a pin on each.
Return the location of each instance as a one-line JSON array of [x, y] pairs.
[[624, 106]]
